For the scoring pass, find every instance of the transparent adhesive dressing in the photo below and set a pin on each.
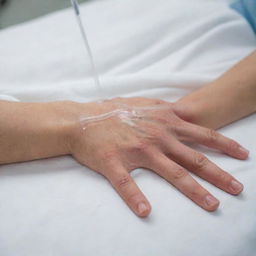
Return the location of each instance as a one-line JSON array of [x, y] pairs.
[[124, 113]]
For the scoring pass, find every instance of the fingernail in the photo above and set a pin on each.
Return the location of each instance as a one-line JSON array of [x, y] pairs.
[[210, 200], [236, 186], [142, 208], [243, 150]]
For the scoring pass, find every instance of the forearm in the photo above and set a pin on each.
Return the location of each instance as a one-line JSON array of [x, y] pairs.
[[31, 131], [227, 99]]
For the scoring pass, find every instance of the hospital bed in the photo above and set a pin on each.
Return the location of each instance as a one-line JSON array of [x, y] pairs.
[[162, 49]]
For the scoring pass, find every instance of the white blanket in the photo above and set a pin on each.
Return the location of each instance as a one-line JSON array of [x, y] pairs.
[[162, 49]]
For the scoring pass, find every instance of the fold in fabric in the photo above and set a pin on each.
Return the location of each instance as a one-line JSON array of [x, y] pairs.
[[247, 8]]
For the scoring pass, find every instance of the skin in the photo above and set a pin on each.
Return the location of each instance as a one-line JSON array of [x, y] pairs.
[[225, 100], [114, 148]]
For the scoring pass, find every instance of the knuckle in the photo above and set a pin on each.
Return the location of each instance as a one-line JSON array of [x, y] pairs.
[[212, 135], [223, 177], [157, 134], [123, 180], [200, 161], [179, 173], [141, 147], [232, 145], [132, 198], [196, 192], [176, 124]]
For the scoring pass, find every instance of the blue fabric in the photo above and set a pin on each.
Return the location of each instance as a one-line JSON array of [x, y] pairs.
[[247, 8]]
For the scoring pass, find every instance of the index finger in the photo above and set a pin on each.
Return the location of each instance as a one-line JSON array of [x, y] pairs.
[[213, 139]]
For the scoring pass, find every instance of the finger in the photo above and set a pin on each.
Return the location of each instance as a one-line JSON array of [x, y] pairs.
[[204, 168], [213, 139], [183, 181], [129, 191]]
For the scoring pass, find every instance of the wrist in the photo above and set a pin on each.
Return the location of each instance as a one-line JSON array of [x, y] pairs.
[[70, 125], [66, 114]]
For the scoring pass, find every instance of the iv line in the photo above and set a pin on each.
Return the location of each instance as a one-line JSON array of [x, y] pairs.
[[82, 30]]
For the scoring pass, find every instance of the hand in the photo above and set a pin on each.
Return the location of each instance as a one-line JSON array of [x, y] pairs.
[[117, 136]]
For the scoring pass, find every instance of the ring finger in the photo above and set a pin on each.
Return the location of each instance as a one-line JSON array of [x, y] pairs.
[[183, 181]]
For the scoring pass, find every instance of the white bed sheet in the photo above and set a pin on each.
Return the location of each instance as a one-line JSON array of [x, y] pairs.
[[162, 49]]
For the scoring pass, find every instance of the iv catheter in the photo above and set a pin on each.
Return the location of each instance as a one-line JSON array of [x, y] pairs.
[[82, 30]]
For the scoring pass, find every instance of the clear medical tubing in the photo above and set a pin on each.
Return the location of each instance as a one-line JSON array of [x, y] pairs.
[[82, 30]]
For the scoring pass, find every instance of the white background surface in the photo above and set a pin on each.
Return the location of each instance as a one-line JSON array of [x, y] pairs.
[[162, 49]]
